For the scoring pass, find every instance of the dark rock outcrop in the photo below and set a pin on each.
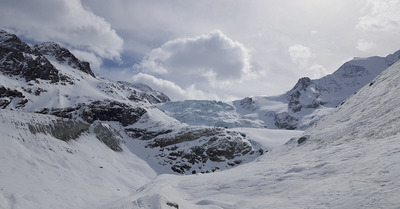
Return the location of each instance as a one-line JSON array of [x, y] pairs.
[[286, 121], [193, 150], [108, 136], [16, 58], [11, 41], [100, 110], [112, 111], [64, 130], [7, 96], [62, 55], [14, 63]]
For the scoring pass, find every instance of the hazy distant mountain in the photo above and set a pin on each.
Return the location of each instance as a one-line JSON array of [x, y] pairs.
[[299, 108]]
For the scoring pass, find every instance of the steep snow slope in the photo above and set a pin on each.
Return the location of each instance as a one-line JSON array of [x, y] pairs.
[[40, 171], [349, 159], [48, 79], [299, 108]]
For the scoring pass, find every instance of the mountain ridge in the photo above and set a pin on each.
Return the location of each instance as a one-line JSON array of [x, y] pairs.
[[61, 85], [67, 143], [299, 108], [348, 159]]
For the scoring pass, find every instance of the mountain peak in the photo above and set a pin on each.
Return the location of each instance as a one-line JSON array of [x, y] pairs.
[[371, 113], [11, 41], [62, 55], [392, 58], [302, 84]]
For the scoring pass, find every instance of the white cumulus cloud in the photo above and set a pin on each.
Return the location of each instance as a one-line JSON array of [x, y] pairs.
[[300, 54], [63, 21], [364, 45], [304, 58], [381, 15], [198, 65]]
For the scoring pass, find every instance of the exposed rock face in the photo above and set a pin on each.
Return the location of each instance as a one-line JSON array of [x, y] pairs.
[[65, 130], [193, 150], [108, 136], [112, 111], [8, 96], [100, 110], [11, 41], [62, 55], [248, 103], [47, 81], [17, 58], [14, 62], [305, 94], [286, 121]]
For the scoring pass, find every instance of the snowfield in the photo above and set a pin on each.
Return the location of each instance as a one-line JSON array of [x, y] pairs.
[[71, 140], [350, 159], [40, 171]]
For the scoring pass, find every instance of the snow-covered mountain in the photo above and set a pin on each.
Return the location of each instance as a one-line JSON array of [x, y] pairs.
[[348, 159], [307, 102], [69, 139], [48, 79]]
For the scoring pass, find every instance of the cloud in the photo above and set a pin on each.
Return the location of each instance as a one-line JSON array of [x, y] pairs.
[[364, 45], [302, 57], [95, 61], [197, 65], [211, 55], [316, 71], [62, 21], [381, 15], [300, 54], [171, 89], [168, 87], [263, 27]]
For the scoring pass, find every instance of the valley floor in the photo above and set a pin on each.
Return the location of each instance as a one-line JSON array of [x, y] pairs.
[[40, 171], [357, 174]]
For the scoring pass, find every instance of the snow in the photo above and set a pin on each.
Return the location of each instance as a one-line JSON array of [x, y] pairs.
[[39, 171], [210, 113], [269, 138], [310, 100], [349, 160]]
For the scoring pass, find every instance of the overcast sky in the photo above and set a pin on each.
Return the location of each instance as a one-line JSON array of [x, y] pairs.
[[211, 49]]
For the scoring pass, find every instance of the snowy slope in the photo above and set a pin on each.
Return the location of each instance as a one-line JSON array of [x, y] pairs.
[[309, 100], [299, 108], [48, 79], [41, 171], [349, 159]]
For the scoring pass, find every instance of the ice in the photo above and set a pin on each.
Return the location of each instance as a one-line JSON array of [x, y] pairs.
[[349, 160]]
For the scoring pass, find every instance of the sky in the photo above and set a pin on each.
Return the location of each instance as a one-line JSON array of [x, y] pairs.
[[210, 49]]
